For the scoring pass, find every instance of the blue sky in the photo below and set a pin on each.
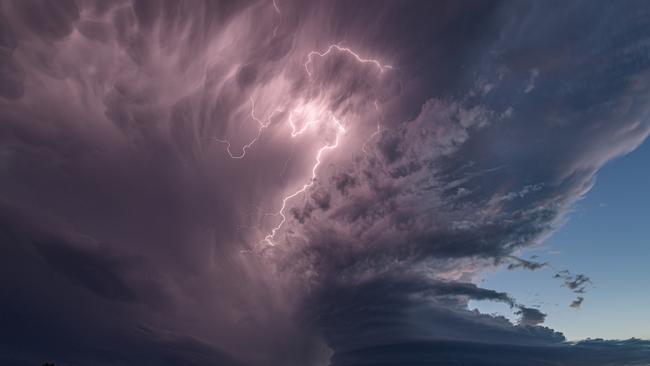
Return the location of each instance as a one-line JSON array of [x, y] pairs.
[[606, 237]]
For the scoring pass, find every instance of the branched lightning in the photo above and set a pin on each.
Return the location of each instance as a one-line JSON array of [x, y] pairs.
[[294, 130], [262, 125], [311, 54], [314, 116], [340, 130]]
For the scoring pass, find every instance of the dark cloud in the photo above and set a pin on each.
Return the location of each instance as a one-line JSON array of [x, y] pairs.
[[577, 302], [530, 316], [597, 352], [344, 182], [49, 19], [94, 269], [148, 148], [387, 310], [525, 264], [576, 283]]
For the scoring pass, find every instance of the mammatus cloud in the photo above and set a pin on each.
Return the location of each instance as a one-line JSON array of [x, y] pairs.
[[300, 183]]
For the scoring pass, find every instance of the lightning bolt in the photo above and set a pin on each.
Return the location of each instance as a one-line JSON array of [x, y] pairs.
[[379, 130], [262, 125], [333, 47], [314, 117], [340, 131], [294, 130]]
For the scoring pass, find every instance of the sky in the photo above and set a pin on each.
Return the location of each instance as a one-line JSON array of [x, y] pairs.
[[606, 236], [262, 183]]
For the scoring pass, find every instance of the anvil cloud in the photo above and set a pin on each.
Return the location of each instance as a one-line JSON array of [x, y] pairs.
[[300, 183]]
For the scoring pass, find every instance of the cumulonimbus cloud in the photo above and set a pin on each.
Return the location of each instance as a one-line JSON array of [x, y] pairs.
[[289, 183]]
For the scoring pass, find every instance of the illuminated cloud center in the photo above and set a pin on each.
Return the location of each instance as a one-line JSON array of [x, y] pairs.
[[304, 115]]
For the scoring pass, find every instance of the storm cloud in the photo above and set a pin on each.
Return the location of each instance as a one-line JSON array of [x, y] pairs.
[[301, 183]]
